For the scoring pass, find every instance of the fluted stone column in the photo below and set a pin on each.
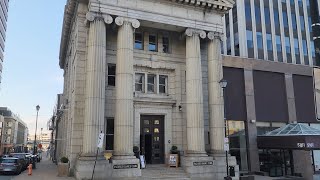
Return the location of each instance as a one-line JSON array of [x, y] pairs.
[[216, 108], [123, 124], [94, 98], [195, 121], [123, 138], [216, 104], [95, 81]]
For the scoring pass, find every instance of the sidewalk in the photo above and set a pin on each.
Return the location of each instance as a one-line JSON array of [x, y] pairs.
[[46, 170]]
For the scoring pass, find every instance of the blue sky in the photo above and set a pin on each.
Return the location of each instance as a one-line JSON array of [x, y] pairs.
[[31, 74]]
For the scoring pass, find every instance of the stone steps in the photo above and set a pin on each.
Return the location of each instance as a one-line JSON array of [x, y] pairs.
[[163, 172]]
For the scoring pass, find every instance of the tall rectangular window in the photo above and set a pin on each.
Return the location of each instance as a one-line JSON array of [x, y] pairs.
[[310, 24], [304, 43], [285, 19], [296, 46], [287, 45], [278, 42], [269, 42], [259, 40], [313, 50], [163, 83], [165, 44], [138, 40], [248, 11], [276, 17], [257, 14], [249, 39], [109, 133], [151, 83], [139, 82], [236, 44], [294, 21], [302, 23], [152, 42], [111, 74], [267, 15]]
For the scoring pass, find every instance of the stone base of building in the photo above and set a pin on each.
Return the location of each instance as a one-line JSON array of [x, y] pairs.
[[126, 168], [198, 166], [84, 168], [221, 166]]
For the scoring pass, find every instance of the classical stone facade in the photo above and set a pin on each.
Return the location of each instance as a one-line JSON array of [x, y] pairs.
[[152, 68]]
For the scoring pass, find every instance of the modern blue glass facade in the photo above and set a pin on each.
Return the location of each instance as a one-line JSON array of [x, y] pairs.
[[4, 4], [274, 30]]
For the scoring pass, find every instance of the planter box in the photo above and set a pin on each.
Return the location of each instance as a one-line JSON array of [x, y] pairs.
[[63, 169]]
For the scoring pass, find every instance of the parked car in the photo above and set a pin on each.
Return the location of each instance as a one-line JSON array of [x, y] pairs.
[[22, 157], [10, 164], [31, 159]]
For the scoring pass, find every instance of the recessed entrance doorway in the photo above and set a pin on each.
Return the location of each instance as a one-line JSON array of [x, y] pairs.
[[152, 138]]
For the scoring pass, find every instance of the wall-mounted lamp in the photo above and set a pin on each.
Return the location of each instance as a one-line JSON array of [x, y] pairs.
[[253, 121], [180, 108]]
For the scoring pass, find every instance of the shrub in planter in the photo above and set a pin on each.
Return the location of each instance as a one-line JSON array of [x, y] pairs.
[[174, 150], [63, 167], [136, 151], [64, 159]]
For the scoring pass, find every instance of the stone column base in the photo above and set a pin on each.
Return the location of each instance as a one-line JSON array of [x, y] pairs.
[[198, 166], [84, 168], [221, 166], [125, 168]]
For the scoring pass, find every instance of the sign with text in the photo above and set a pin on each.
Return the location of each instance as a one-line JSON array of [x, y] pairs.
[[142, 162], [203, 163], [100, 140], [172, 159], [125, 166]]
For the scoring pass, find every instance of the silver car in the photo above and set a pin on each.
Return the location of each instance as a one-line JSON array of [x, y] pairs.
[[10, 164]]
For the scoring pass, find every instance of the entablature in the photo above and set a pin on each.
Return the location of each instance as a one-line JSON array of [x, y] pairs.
[[219, 5]]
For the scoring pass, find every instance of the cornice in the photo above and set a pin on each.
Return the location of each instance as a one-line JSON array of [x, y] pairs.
[[219, 5], [69, 10]]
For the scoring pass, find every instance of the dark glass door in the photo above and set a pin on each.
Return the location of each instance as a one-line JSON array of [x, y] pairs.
[[152, 138]]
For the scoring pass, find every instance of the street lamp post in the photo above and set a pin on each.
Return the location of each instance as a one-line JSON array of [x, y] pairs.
[[223, 83], [35, 134], [41, 136]]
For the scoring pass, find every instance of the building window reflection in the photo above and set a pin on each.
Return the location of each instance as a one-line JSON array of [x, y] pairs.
[[238, 144]]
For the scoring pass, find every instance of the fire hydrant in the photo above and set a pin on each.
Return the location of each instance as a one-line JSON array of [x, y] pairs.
[[30, 169]]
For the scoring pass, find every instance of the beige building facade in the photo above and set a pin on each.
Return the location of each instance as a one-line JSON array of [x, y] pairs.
[[146, 74]]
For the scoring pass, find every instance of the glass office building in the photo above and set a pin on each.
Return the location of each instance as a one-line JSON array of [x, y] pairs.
[[3, 27], [273, 30]]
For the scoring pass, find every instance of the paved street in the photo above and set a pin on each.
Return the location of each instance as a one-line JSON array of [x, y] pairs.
[[46, 170]]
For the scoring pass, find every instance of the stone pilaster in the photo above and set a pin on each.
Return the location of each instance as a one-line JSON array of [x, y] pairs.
[[123, 125], [95, 81], [216, 104], [94, 96], [195, 122]]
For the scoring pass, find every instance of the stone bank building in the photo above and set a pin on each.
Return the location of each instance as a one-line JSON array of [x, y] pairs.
[[147, 73]]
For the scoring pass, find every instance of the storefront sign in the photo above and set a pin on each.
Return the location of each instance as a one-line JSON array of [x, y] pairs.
[[204, 163], [303, 145], [125, 166]]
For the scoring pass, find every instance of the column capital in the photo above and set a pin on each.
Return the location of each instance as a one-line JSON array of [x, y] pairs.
[[190, 32], [91, 16], [134, 22], [215, 35]]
